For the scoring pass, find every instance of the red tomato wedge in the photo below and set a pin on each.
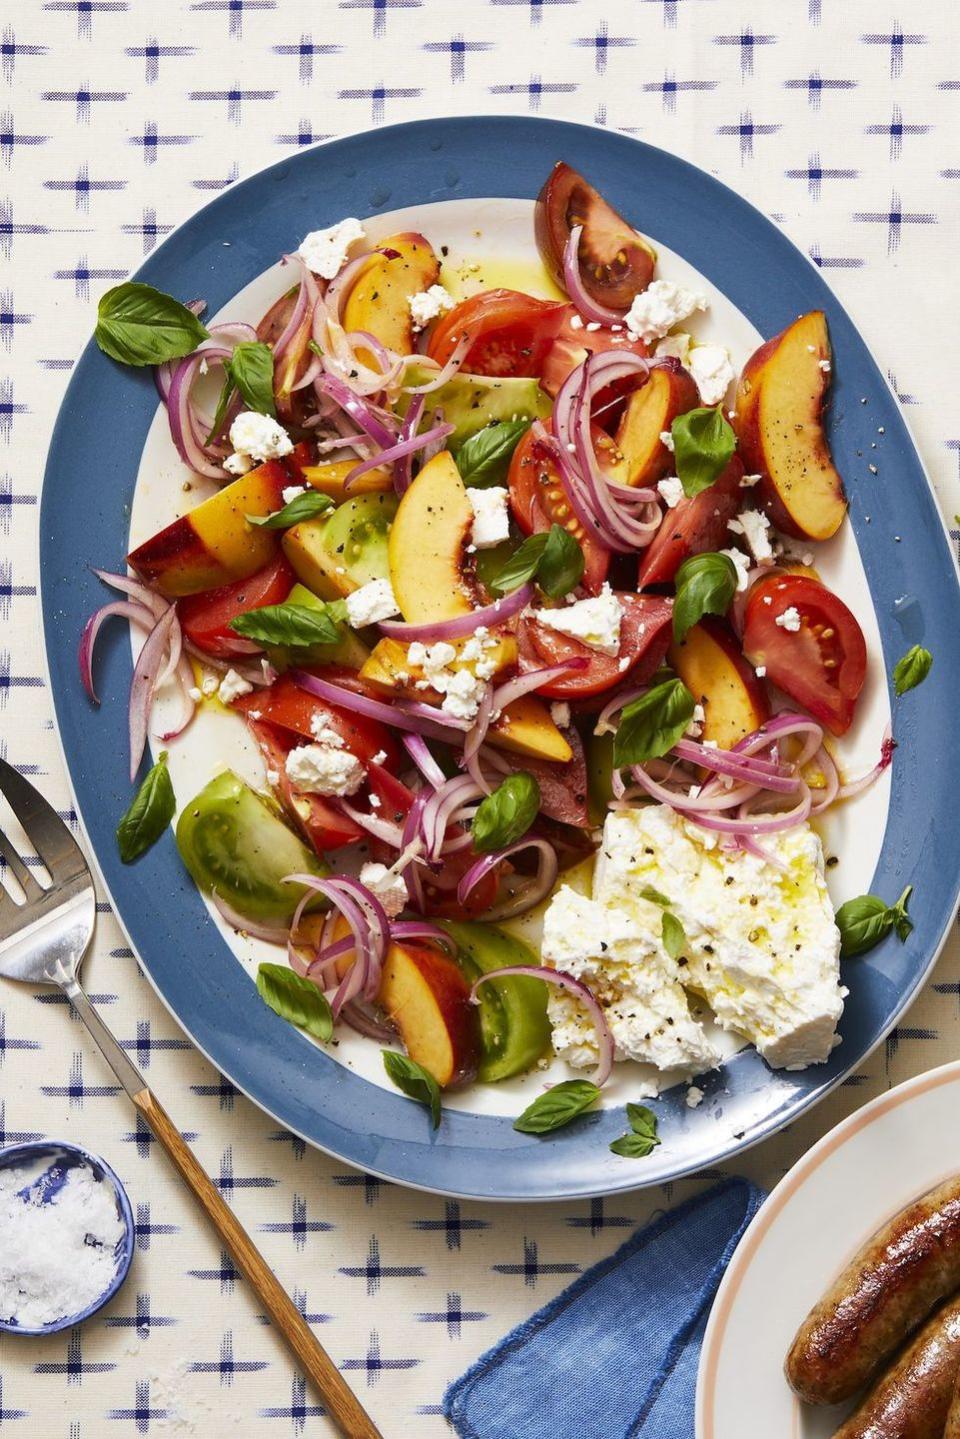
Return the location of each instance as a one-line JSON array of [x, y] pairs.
[[291, 708], [206, 617], [823, 663], [692, 527], [645, 633], [616, 262], [538, 501], [511, 333], [574, 342], [319, 821], [563, 787]]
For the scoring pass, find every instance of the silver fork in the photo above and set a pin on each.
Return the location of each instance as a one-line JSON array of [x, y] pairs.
[[43, 941]]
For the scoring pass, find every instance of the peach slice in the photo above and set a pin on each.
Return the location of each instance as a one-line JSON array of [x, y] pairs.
[[380, 300], [670, 391], [330, 480], [215, 543], [697, 524], [779, 425], [427, 540], [426, 995], [715, 672]]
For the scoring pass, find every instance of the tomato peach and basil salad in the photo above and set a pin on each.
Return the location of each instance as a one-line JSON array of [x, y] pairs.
[[476, 573]]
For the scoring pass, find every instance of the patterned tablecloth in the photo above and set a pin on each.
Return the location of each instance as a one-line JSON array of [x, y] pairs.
[[118, 118]]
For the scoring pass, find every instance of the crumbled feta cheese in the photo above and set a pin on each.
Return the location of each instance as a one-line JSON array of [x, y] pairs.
[[387, 886], [760, 671], [755, 528], [762, 946], [671, 491], [325, 251], [491, 519], [743, 567], [256, 438], [232, 686], [195, 694], [560, 714], [322, 769], [380, 757], [659, 307], [594, 622], [462, 690], [324, 730], [375, 801], [825, 366], [666, 440], [293, 492], [477, 653], [463, 694], [428, 304], [694, 1097], [711, 368], [576, 322], [210, 684], [676, 347], [371, 603], [748, 481], [789, 620], [273, 777]]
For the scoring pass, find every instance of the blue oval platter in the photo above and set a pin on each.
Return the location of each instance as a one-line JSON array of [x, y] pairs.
[[88, 488]]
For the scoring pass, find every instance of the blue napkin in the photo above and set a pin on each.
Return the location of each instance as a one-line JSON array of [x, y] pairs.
[[615, 1355]]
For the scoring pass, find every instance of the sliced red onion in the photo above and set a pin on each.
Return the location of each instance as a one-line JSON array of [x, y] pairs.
[[403, 467], [750, 824], [402, 929], [397, 452], [346, 277], [369, 924], [439, 809], [382, 828], [417, 750], [307, 296], [415, 718], [137, 590], [359, 1017], [578, 292], [259, 929], [521, 685], [457, 356], [136, 613], [476, 737], [144, 685], [580, 991], [184, 425], [487, 617], [532, 892], [612, 707], [857, 786], [697, 803], [827, 793], [784, 779], [358, 409]]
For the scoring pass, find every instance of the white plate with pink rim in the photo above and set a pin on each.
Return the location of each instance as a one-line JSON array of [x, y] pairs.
[[843, 1189]]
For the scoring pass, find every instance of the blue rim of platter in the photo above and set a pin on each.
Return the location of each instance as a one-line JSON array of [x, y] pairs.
[[87, 492], [53, 1149]]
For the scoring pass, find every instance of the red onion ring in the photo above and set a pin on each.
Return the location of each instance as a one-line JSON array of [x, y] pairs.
[[531, 894], [455, 361], [128, 609], [575, 288], [144, 685], [417, 750], [857, 786], [522, 684], [395, 452], [259, 929], [580, 991], [358, 410], [489, 616]]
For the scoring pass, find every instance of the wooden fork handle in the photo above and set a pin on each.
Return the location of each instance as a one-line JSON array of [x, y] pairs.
[[341, 1403]]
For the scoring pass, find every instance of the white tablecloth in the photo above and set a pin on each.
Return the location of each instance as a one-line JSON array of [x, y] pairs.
[[118, 118]]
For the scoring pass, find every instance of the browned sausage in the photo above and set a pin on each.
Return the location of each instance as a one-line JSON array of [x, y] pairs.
[[910, 1401], [952, 1429], [899, 1275]]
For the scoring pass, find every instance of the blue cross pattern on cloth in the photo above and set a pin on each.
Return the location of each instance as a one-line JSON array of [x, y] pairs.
[[118, 119]]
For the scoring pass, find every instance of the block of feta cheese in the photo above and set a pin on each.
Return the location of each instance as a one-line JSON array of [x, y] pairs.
[[762, 943], [620, 957]]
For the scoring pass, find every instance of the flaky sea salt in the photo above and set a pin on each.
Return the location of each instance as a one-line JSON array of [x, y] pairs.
[[57, 1258]]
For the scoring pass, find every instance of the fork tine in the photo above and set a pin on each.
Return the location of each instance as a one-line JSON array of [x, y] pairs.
[[42, 825], [9, 852]]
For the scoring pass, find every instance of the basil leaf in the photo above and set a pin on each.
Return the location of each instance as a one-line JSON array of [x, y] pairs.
[[557, 1106], [703, 445], [561, 564], [415, 1081], [153, 807], [522, 564], [673, 934], [912, 669], [642, 1139], [863, 922], [295, 999], [654, 896], [652, 724], [302, 507], [296, 626], [553, 557], [226, 394], [506, 814], [483, 458], [706, 584], [250, 367], [139, 325]]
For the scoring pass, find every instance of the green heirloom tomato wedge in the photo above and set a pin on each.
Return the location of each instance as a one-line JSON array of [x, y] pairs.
[[514, 1029], [233, 841]]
